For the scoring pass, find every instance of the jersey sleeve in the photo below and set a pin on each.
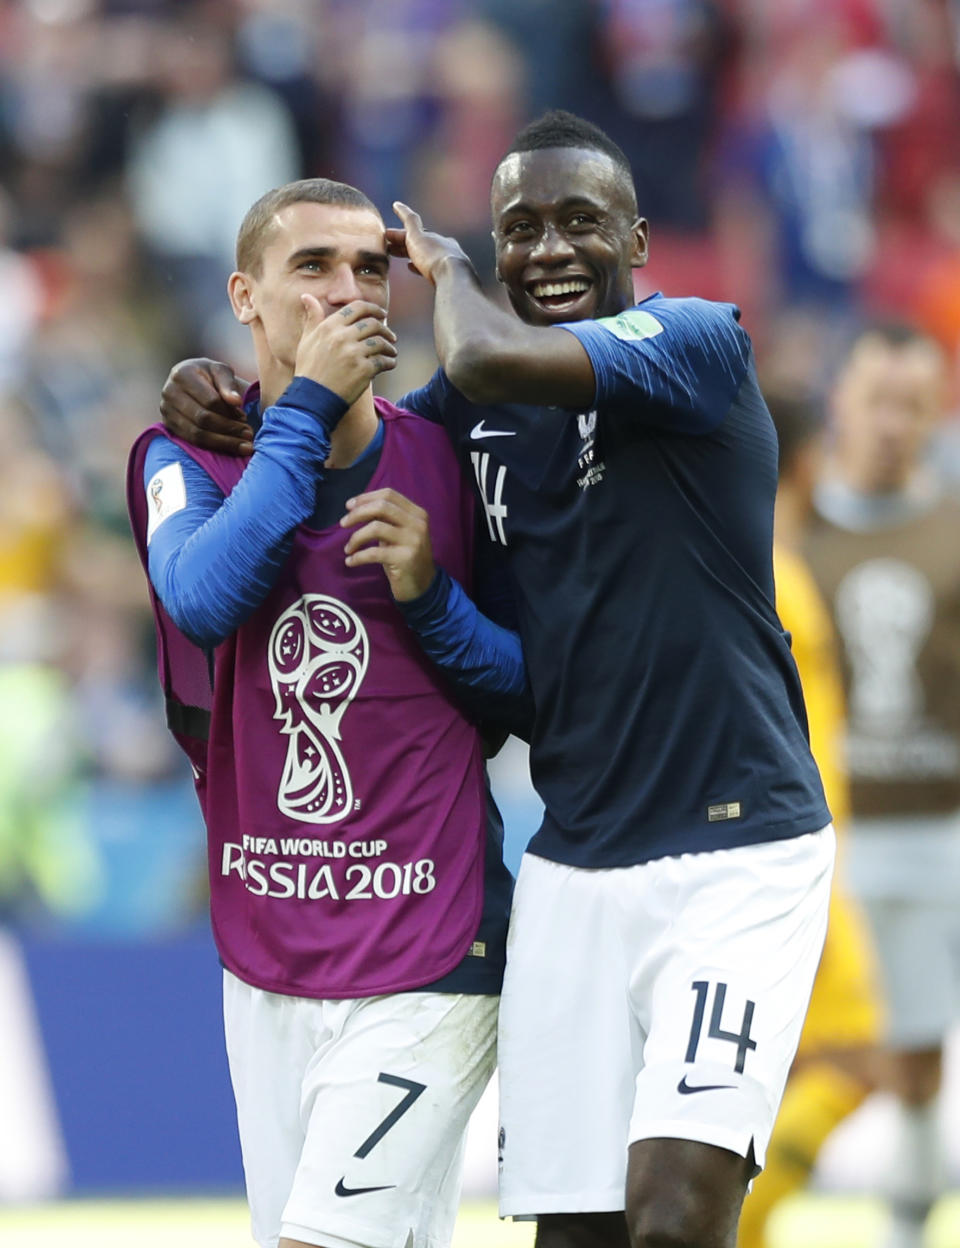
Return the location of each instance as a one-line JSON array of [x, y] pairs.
[[482, 660], [213, 559], [430, 400], [676, 366], [206, 595]]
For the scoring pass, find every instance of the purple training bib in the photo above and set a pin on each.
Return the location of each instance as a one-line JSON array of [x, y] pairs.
[[342, 789]]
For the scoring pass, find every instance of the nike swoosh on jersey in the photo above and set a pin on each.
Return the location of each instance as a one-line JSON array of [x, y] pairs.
[[478, 431], [360, 1191], [685, 1089]]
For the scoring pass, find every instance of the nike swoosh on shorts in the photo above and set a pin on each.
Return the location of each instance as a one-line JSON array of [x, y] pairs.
[[360, 1191], [685, 1089]]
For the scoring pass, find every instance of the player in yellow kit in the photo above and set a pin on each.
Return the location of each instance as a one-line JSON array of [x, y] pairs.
[[834, 1068]]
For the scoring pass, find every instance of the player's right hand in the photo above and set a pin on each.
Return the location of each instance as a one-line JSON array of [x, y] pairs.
[[201, 402], [345, 350]]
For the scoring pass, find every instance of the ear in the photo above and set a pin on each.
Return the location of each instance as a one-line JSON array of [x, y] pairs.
[[640, 233], [241, 292]]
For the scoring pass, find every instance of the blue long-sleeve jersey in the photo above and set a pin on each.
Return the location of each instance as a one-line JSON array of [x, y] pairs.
[[212, 559]]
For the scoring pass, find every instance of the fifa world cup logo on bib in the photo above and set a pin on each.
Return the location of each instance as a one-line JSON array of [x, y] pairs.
[[317, 654]]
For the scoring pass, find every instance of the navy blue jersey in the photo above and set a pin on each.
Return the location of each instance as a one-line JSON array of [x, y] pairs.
[[638, 536]]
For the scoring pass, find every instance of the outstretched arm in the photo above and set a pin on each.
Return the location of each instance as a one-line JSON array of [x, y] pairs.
[[490, 355], [678, 367]]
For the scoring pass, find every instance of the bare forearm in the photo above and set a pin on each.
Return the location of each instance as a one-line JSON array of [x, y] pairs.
[[491, 356], [475, 339]]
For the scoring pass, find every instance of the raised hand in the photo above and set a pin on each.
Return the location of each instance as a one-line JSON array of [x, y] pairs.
[[345, 350], [201, 402], [423, 250], [394, 532]]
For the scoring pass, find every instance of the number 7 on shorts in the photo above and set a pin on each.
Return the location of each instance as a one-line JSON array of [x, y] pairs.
[[412, 1091]]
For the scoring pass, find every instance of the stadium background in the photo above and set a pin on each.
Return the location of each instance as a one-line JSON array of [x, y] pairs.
[[800, 158]]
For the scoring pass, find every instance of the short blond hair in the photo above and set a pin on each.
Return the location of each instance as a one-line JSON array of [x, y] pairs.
[[257, 227]]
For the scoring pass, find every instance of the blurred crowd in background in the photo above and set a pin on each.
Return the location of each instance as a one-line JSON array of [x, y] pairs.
[[800, 158]]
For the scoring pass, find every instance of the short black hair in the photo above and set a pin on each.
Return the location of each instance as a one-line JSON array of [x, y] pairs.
[[558, 128], [797, 418]]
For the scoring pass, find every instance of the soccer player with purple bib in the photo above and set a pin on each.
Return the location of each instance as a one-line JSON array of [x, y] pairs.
[[358, 894], [670, 912]]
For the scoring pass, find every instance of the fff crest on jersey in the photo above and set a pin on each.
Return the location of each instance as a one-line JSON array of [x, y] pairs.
[[586, 425], [591, 468]]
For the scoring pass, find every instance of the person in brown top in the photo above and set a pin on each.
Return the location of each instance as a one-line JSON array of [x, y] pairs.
[[885, 551]]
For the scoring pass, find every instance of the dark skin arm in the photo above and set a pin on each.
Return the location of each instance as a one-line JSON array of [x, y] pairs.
[[201, 402], [490, 355]]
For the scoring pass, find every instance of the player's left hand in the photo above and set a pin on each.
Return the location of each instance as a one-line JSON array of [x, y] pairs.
[[425, 251], [395, 533]]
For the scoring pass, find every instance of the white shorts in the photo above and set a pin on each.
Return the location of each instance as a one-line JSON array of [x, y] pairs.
[[352, 1114], [906, 875], [661, 1000]]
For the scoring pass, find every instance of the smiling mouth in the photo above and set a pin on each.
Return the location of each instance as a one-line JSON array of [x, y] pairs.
[[555, 294]]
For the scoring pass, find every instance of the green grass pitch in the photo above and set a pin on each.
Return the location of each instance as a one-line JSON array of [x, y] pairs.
[[827, 1221]]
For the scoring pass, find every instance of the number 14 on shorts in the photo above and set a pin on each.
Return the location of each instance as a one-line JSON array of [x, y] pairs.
[[716, 1031]]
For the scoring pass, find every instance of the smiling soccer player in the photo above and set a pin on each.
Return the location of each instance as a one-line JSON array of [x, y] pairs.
[[671, 909]]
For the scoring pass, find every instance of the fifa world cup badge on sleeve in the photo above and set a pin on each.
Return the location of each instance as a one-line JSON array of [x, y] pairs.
[[166, 495], [632, 325]]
